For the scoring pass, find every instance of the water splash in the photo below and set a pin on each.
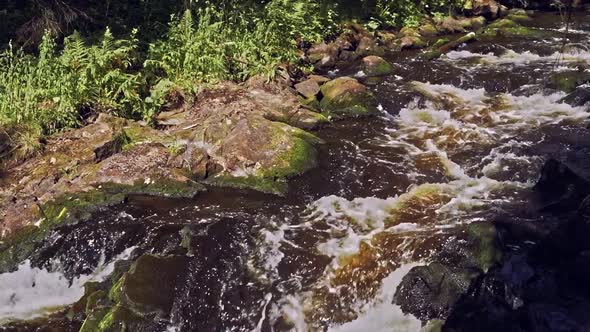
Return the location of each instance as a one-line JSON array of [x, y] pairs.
[[31, 292]]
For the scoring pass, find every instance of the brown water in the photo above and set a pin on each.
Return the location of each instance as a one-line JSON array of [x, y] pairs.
[[388, 193]]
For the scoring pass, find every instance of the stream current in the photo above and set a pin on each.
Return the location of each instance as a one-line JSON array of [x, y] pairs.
[[388, 193]]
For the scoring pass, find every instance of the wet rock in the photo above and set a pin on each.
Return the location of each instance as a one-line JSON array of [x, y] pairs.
[[323, 56], [449, 46], [430, 292], [345, 96], [567, 81], [519, 16], [354, 43], [428, 30], [376, 66], [452, 24], [509, 28], [308, 89], [411, 38], [579, 97], [490, 9], [320, 80], [149, 286], [560, 188], [367, 45]]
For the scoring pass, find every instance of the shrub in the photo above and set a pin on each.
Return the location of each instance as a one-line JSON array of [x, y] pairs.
[[49, 91]]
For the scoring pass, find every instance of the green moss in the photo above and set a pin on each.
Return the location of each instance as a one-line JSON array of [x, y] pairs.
[[502, 24], [483, 243], [258, 183], [107, 321], [298, 158], [519, 17], [156, 187], [440, 42], [140, 134], [346, 97], [78, 206], [507, 27], [17, 247], [72, 207], [568, 81], [116, 289], [94, 300], [381, 69], [311, 103]]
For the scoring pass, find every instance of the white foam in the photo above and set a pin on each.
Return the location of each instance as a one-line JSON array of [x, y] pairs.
[[382, 315], [31, 292], [518, 59]]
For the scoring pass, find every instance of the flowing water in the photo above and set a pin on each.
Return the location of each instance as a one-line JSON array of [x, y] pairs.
[[459, 139]]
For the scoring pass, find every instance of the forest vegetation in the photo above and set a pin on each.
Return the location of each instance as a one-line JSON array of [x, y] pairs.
[[62, 61]]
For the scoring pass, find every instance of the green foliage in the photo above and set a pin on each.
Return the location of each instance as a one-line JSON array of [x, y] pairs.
[[219, 45], [396, 13], [49, 91], [213, 40]]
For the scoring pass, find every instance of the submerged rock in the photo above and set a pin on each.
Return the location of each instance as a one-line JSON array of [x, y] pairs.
[[345, 96]]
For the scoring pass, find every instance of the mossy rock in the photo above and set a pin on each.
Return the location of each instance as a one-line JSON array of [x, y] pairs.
[[294, 153], [428, 30], [265, 185], [17, 247], [508, 27], [149, 286], [440, 42], [483, 244], [346, 97], [161, 187], [376, 66], [502, 24], [568, 81]]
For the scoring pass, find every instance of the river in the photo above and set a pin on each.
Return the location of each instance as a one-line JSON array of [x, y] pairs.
[[389, 191]]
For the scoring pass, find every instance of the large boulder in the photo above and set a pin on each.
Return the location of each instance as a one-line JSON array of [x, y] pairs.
[[560, 188], [568, 81], [431, 291], [345, 96], [579, 97], [490, 9], [308, 88], [373, 65]]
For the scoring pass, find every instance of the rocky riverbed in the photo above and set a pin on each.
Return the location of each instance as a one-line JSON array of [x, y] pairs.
[[396, 189]]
